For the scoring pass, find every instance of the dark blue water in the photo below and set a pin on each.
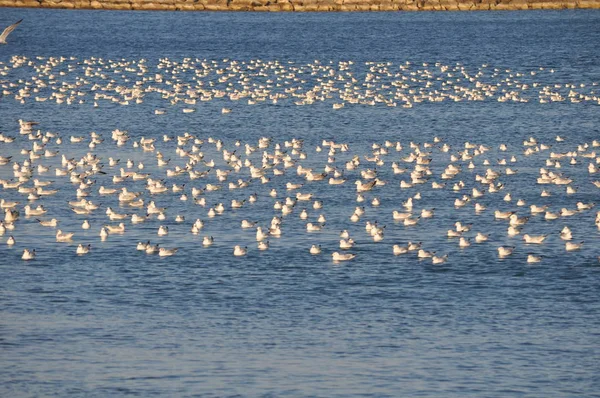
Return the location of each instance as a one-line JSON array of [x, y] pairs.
[[282, 322]]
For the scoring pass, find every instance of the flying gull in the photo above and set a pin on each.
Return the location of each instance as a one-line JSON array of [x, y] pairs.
[[7, 31]]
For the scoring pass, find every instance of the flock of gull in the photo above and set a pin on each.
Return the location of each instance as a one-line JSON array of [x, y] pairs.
[[186, 82], [290, 180], [324, 184]]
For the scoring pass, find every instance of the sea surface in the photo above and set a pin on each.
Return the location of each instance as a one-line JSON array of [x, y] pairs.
[[284, 322]]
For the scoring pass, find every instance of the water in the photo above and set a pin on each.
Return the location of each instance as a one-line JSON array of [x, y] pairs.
[[282, 322]]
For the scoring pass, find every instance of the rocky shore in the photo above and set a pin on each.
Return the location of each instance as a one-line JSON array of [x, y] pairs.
[[305, 5]]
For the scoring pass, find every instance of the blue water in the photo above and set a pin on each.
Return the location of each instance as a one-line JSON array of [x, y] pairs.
[[281, 322]]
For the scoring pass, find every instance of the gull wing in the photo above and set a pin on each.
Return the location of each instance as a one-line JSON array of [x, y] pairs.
[[8, 30]]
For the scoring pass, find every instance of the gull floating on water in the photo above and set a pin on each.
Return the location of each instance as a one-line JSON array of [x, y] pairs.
[[336, 256], [164, 252], [28, 254], [64, 237], [239, 251], [81, 249]]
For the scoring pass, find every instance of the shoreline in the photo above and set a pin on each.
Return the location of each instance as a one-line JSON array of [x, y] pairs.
[[305, 5]]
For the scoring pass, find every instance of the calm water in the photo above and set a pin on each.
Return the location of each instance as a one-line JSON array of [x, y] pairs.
[[282, 322]]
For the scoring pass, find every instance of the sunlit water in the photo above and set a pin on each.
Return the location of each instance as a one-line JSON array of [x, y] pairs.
[[282, 321]]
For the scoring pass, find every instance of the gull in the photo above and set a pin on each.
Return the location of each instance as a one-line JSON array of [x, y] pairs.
[[571, 246], [310, 227], [439, 259], [504, 251], [503, 214], [551, 216], [462, 228], [481, 237], [64, 237], [454, 234], [4, 160], [564, 212], [239, 251], [81, 249], [536, 239], [533, 259], [116, 216], [34, 212], [584, 206], [275, 230], [315, 249], [10, 241], [378, 237], [463, 242], [479, 207], [48, 223], [414, 246], [411, 221], [515, 221], [342, 256], [461, 202], [6, 204], [304, 196], [425, 254], [336, 181], [163, 230], [198, 224], [565, 233], [207, 241], [8, 31], [369, 226], [513, 231], [346, 243], [400, 216], [427, 213], [151, 249], [107, 191], [537, 209], [119, 229], [360, 187], [236, 204], [260, 234], [136, 219], [163, 252], [398, 250], [28, 254]]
